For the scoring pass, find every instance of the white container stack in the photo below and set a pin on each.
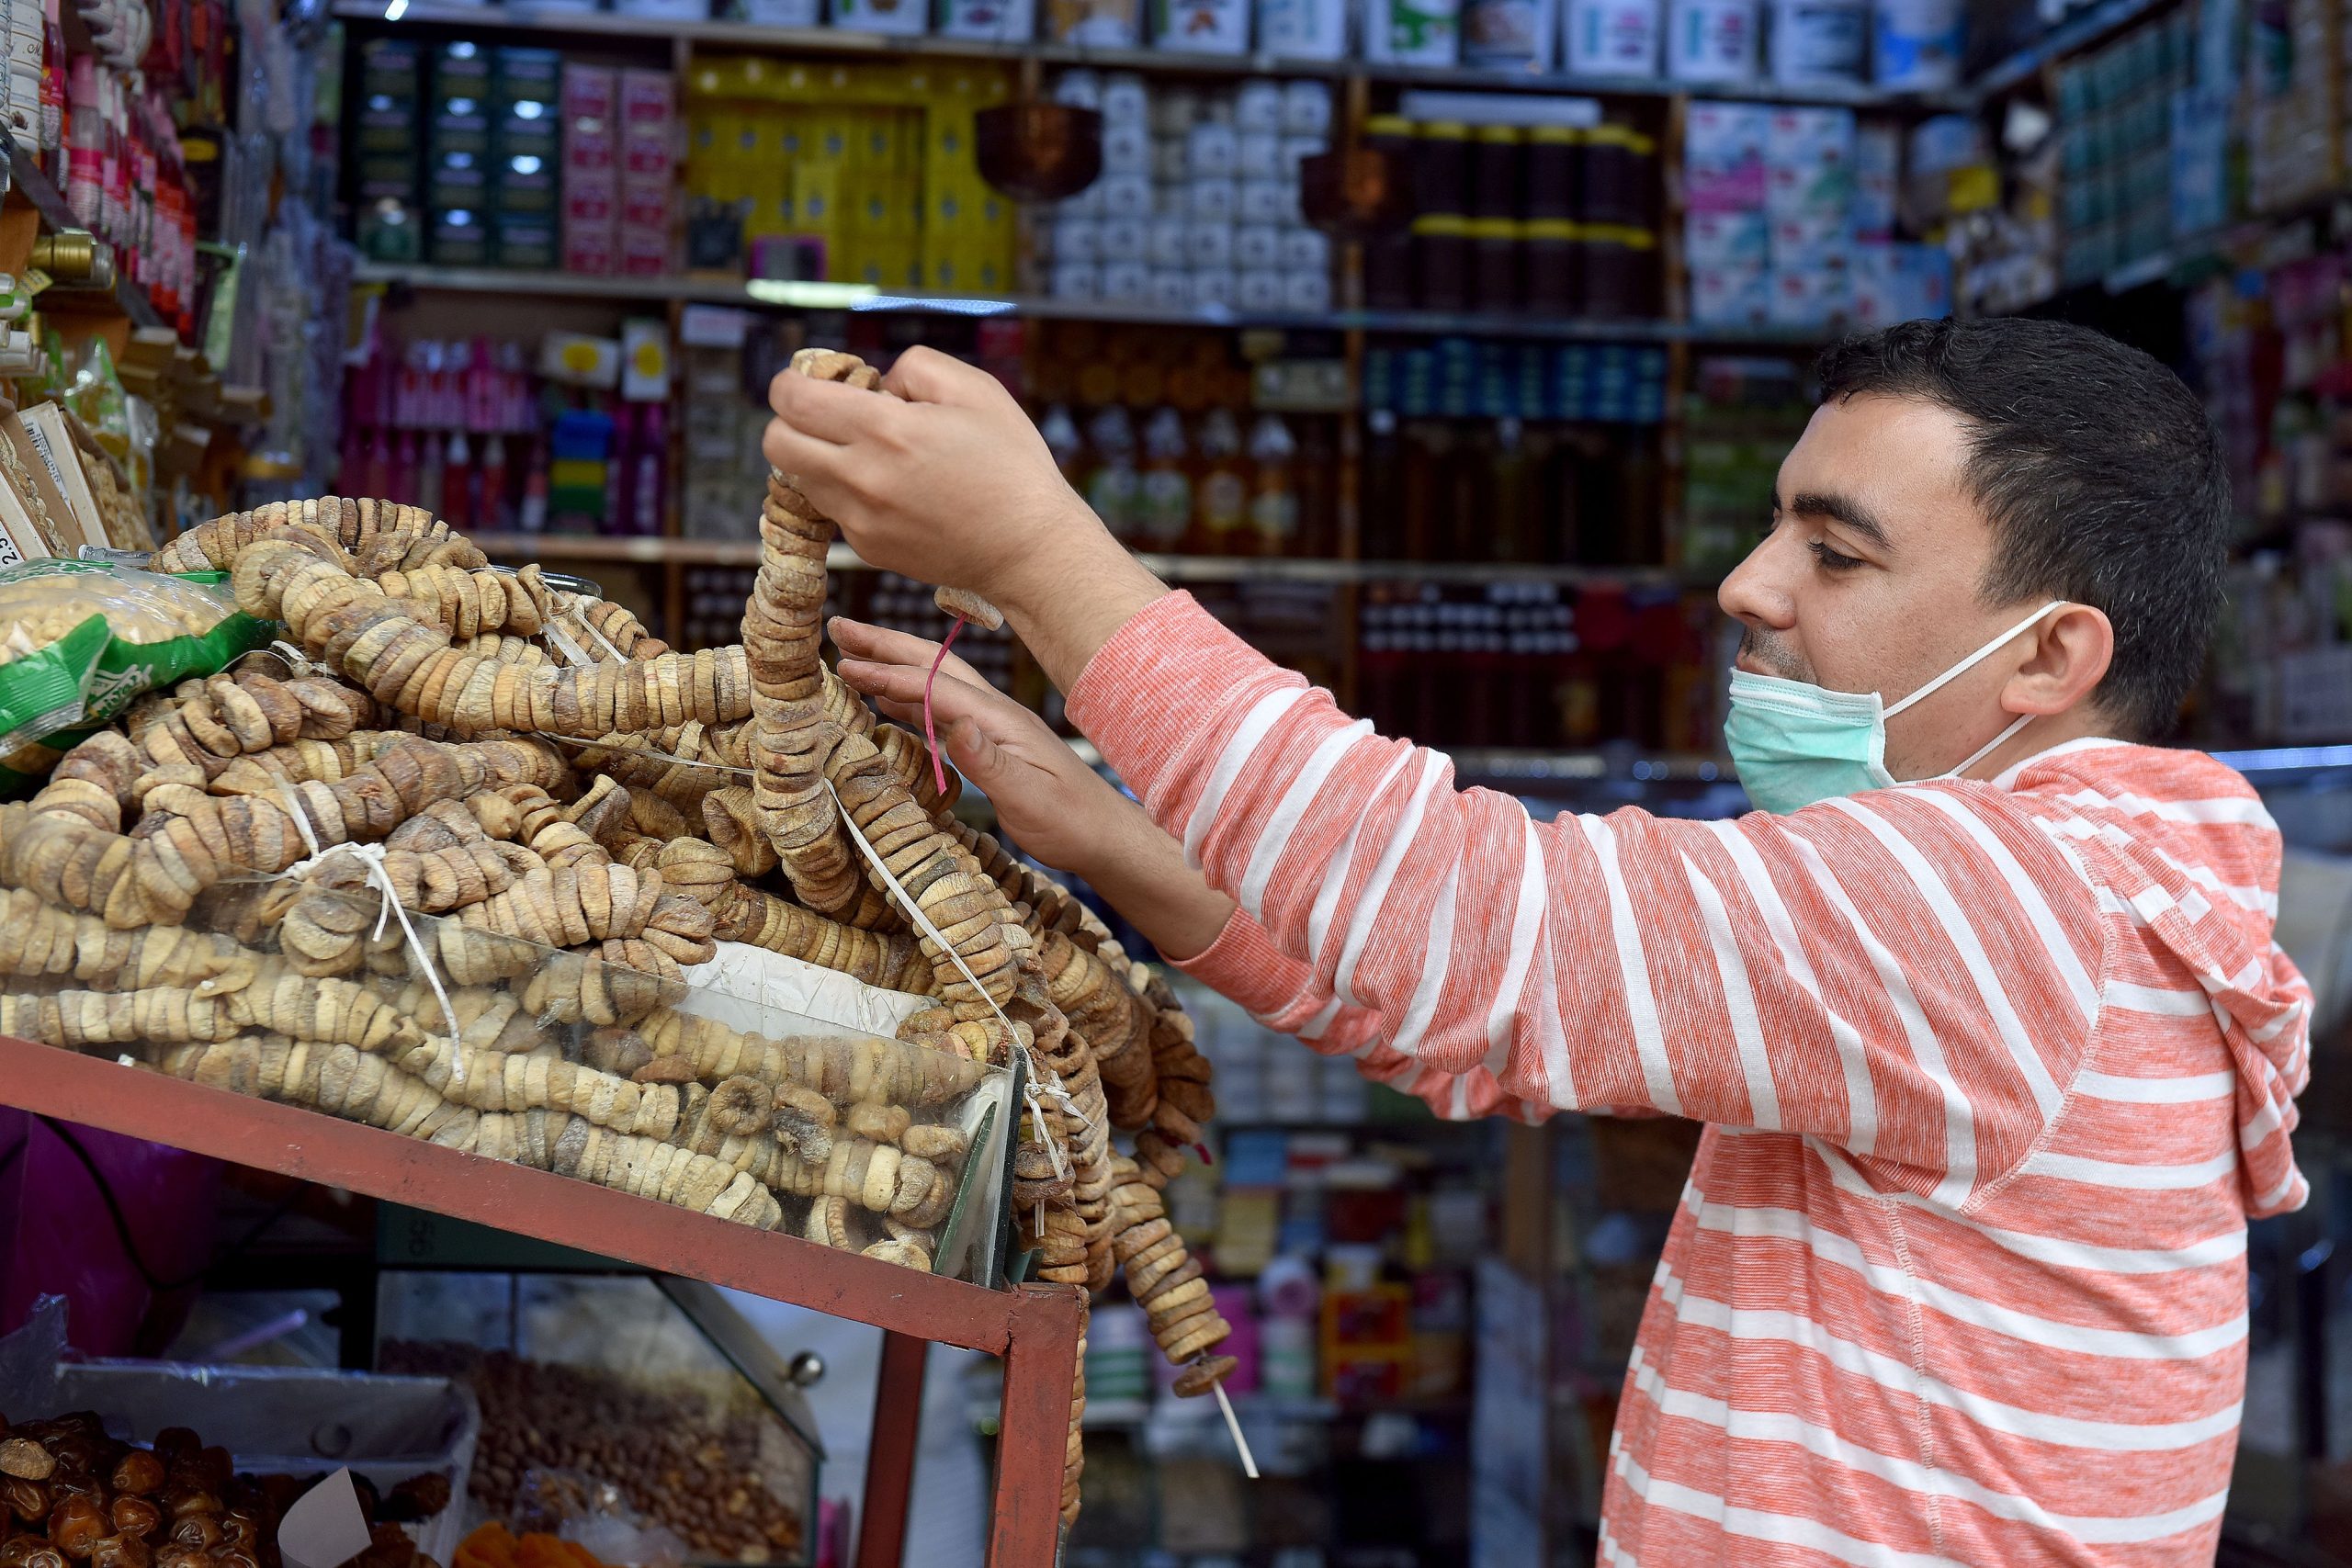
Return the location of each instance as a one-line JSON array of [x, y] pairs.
[[1197, 208]]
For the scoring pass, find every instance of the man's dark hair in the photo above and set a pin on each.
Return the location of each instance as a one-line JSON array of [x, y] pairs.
[[2099, 473]]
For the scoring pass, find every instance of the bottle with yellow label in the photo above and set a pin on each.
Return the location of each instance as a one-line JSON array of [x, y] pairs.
[[1221, 509]]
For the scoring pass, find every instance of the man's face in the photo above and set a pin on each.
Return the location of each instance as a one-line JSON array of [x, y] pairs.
[[1867, 579]]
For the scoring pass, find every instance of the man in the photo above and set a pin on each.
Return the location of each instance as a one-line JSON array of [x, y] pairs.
[[1995, 1062]]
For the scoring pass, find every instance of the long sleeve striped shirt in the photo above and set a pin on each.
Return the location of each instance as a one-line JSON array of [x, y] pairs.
[[1993, 1074]]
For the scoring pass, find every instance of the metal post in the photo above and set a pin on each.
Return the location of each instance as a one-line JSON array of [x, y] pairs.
[[890, 1458]]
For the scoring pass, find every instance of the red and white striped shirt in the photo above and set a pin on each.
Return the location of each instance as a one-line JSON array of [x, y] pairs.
[[1994, 1074]]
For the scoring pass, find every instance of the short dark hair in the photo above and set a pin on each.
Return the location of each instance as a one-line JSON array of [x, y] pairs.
[[2099, 473]]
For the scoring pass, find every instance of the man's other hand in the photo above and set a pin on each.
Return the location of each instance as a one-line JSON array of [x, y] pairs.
[[1050, 803]]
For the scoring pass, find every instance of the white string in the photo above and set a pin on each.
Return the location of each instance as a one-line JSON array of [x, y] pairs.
[[292, 799], [1031, 1086], [372, 855], [574, 654], [1248, 1462], [293, 659], [593, 629]]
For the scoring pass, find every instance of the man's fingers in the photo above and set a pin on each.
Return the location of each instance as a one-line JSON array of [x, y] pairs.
[[886, 645], [800, 457], [831, 410], [924, 375], [951, 697]]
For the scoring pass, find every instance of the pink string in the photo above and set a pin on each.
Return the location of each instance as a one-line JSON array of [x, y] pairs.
[[931, 735]]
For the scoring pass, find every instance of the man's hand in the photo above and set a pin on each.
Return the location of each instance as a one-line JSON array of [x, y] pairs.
[[949, 483], [1049, 803]]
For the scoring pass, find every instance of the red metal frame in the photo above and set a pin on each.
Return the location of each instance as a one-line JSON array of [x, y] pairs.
[[1034, 1328]]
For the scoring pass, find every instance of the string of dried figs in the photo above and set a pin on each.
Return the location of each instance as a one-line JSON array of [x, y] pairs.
[[378, 640]]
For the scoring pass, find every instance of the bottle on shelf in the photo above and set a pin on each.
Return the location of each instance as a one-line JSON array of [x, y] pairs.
[[1222, 506], [1166, 487], [1110, 489], [1273, 495], [460, 497]]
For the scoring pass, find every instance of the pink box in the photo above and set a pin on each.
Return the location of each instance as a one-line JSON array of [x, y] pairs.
[[592, 249], [592, 93], [590, 117], [646, 204], [649, 122], [591, 197], [642, 252]]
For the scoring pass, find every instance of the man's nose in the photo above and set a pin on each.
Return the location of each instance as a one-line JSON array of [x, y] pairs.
[[1761, 589]]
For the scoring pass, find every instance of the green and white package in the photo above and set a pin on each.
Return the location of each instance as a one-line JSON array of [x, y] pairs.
[[79, 640]]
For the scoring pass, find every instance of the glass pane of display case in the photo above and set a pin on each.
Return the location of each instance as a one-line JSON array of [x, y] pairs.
[[611, 1414]]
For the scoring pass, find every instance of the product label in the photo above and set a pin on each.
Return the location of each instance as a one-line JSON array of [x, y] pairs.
[[1167, 498], [1225, 502]]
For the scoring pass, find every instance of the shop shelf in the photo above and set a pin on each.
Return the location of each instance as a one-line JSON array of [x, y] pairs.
[[864, 299], [2015, 69], [653, 550], [657, 34], [1034, 1328], [28, 179]]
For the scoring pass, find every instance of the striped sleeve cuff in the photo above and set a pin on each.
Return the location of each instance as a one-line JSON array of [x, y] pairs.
[[1168, 681], [1243, 964]]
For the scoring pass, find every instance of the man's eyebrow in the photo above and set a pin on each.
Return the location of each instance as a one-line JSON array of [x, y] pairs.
[[1840, 509]]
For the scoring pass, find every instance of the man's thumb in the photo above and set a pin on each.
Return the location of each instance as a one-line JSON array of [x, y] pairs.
[[973, 752]]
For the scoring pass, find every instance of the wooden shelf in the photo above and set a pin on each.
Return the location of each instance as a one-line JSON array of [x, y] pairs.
[[2093, 25], [655, 34], [662, 551], [1034, 1328], [862, 299], [26, 179]]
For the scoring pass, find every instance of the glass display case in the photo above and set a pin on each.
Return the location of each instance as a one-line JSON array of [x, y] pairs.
[[641, 1415]]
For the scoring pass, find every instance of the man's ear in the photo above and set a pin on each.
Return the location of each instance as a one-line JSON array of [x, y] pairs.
[[2070, 651]]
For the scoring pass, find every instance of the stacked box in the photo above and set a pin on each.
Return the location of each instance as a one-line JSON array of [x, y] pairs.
[[967, 226], [591, 176], [1726, 233], [1198, 204], [526, 156], [1809, 201], [384, 152], [457, 155], [648, 159], [2116, 109]]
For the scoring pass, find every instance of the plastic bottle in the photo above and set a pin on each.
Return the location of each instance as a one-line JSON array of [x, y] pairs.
[[1062, 439], [652, 452], [1221, 510], [459, 497], [492, 513], [429, 472], [1273, 495], [533, 518], [1111, 489], [1166, 508]]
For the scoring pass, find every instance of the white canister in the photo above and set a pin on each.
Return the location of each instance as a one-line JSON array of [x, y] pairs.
[[1820, 43], [1917, 47], [991, 21], [1509, 35], [1303, 29], [1712, 40], [1412, 32], [1201, 27], [1612, 37]]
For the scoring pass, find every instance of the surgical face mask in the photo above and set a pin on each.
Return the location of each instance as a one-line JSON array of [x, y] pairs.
[[1795, 743]]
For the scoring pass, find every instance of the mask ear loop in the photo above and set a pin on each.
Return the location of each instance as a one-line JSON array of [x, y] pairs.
[[1963, 668], [1971, 661]]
